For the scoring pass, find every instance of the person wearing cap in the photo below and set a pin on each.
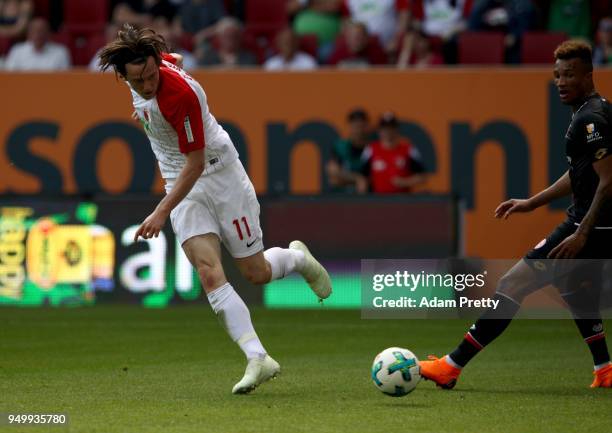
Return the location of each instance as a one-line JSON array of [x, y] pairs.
[[345, 168], [394, 165], [602, 54]]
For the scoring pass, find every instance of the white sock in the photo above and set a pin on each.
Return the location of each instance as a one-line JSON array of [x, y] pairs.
[[283, 261], [236, 319], [452, 363], [600, 366]]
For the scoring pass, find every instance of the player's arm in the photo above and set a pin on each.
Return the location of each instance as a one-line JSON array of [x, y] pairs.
[[181, 108], [602, 198], [599, 143], [561, 188], [571, 246], [192, 170]]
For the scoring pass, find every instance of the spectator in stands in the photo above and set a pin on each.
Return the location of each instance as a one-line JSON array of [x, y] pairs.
[[14, 17], [125, 13], [416, 51], [385, 19], [289, 57], [572, 17], [602, 55], [393, 164], [38, 53], [229, 51], [345, 169], [443, 19], [319, 17], [146, 10], [110, 34], [357, 49], [200, 18], [171, 36], [513, 17]]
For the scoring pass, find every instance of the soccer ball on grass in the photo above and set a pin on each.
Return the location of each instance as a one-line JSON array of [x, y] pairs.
[[396, 371]]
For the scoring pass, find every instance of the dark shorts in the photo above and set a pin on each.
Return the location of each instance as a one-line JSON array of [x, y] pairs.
[[598, 245], [569, 275]]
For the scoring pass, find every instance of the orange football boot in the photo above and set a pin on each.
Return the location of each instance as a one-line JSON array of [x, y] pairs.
[[438, 370], [603, 377]]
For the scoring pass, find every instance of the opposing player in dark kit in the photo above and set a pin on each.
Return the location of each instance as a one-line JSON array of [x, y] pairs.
[[586, 233]]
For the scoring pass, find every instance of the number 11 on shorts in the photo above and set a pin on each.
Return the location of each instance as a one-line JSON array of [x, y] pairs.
[[239, 230]]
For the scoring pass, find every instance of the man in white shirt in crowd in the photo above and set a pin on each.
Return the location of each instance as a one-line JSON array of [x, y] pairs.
[[38, 53], [289, 57]]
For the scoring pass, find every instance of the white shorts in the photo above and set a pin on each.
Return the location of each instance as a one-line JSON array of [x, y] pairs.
[[223, 203]]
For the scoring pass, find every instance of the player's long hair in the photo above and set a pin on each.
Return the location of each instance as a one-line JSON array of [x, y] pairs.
[[132, 46]]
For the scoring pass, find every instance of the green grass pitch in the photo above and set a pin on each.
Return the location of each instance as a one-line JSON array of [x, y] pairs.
[[127, 369]]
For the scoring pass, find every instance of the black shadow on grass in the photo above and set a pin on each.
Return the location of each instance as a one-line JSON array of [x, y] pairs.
[[552, 392], [404, 404]]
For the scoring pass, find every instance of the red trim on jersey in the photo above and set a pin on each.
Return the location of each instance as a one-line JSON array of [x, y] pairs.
[[473, 341], [402, 5], [181, 108], [169, 58], [595, 337]]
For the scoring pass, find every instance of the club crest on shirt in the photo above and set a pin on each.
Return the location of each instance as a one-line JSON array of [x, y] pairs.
[[145, 120], [590, 128], [601, 153]]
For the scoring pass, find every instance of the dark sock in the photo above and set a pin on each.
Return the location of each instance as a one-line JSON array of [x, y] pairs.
[[595, 340], [486, 329], [585, 309]]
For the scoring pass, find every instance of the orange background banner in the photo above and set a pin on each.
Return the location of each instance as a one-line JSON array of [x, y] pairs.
[[48, 119]]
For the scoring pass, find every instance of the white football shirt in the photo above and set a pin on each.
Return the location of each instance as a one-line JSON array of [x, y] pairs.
[[178, 121]]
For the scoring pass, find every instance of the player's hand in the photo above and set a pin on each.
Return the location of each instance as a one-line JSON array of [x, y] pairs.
[[151, 226], [135, 115], [511, 206], [569, 248]]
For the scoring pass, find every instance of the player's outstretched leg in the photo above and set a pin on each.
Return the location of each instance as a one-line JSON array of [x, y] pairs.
[[204, 252], [313, 272], [584, 305], [299, 259], [518, 282]]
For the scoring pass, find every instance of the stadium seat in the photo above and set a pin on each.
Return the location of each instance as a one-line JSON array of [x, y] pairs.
[[266, 17], [85, 16], [5, 45], [537, 47], [374, 51], [481, 48], [42, 8], [309, 44]]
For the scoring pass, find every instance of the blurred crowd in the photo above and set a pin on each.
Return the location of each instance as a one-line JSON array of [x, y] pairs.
[[378, 160], [306, 34]]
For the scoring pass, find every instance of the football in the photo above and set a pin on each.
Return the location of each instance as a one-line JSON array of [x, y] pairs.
[[396, 371]]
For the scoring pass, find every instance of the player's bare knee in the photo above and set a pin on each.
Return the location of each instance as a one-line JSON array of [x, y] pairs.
[[257, 275], [256, 272], [211, 275]]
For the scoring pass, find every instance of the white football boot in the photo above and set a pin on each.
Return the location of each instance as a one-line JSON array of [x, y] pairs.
[[258, 371], [313, 272]]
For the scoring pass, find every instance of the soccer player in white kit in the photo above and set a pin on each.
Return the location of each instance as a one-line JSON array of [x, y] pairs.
[[209, 196]]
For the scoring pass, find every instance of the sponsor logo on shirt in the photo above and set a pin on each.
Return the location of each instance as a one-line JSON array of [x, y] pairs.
[[601, 153], [188, 131], [592, 135]]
